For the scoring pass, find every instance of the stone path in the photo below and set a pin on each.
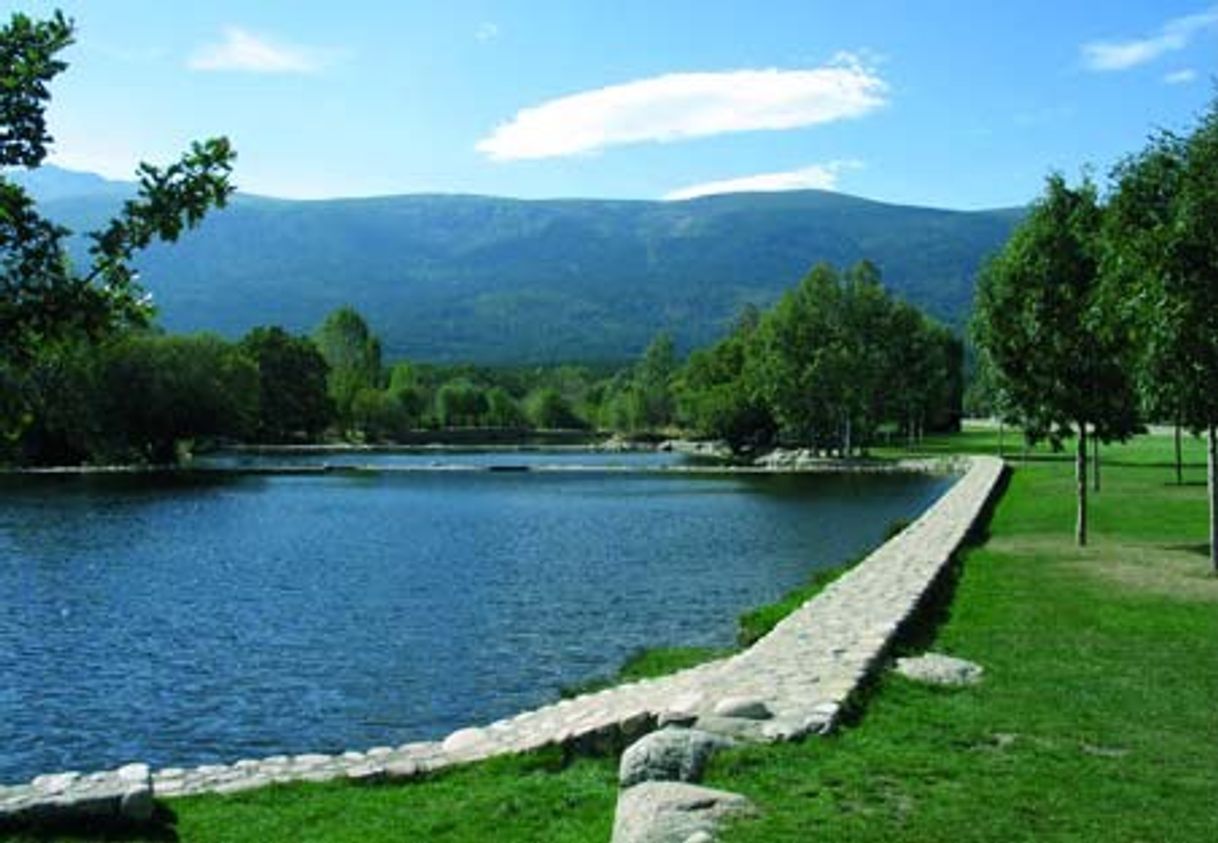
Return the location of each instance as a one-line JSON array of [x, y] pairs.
[[793, 682]]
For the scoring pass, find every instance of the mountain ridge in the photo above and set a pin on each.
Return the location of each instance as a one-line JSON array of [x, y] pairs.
[[449, 276]]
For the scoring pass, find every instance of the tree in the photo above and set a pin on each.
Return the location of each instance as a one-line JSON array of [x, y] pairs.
[[159, 392], [1163, 261], [1056, 351], [460, 403], [292, 374], [653, 380], [47, 306], [715, 400], [548, 410], [353, 354], [502, 409]]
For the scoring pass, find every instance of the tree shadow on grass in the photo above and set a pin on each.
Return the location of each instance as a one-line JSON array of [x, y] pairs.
[[1202, 549], [921, 629], [160, 828]]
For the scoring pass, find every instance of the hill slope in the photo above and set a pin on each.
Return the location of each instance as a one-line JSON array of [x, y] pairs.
[[489, 279]]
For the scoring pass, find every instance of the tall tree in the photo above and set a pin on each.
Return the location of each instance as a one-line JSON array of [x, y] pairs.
[[45, 304], [353, 354], [292, 373], [1163, 258], [1053, 346]]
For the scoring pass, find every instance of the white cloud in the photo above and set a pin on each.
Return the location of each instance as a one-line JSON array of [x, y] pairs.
[[487, 32], [815, 176], [1172, 36], [1180, 77], [243, 51], [677, 106]]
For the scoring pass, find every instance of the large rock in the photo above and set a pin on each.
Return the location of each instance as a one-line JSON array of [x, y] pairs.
[[671, 754], [938, 669], [672, 812]]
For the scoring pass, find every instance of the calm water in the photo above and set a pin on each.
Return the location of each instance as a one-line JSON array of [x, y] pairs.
[[212, 618]]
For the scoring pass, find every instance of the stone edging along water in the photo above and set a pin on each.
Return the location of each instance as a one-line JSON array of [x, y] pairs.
[[793, 682]]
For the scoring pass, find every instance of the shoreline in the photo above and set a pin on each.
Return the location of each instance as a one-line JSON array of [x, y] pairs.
[[618, 714]]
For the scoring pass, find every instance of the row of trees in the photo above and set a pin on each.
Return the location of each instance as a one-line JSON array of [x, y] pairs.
[[1099, 313], [834, 363], [85, 376]]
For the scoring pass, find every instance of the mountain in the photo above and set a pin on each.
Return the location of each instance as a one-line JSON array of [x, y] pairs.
[[50, 182], [454, 277]]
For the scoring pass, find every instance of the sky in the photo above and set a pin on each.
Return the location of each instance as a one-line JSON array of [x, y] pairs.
[[948, 103]]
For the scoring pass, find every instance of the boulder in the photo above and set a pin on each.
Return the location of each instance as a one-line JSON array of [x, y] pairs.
[[672, 812], [748, 708], [938, 669], [670, 754]]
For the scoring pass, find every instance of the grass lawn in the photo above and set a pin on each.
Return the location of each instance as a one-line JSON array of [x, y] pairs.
[[1097, 718]]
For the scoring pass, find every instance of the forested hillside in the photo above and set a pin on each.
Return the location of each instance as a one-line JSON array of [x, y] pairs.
[[502, 280]]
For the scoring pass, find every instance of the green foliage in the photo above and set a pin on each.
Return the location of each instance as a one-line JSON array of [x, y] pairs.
[[838, 356], [52, 319], [502, 410], [353, 355], [159, 392], [548, 410], [1040, 320], [460, 403], [293, 400], [1162, 273], [1058, 356], [715, 399]]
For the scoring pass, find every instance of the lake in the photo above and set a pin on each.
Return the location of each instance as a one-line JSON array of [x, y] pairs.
[[197, 618]]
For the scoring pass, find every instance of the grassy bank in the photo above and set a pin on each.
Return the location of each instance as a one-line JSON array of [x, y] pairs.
[[1096, 719]]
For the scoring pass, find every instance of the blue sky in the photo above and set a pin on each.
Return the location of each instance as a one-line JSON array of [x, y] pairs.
[[962, 104]]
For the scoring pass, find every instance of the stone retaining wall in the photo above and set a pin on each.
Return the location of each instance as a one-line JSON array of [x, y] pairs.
[[793, 682]]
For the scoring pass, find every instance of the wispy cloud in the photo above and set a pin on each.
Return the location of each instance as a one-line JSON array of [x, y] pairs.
[[243, 51], [677, 106], [1180, 77], [1172, 36], [487, 31], [815, 176]]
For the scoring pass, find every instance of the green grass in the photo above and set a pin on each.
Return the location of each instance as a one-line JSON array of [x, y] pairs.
[[1096, 719], [647, 663]]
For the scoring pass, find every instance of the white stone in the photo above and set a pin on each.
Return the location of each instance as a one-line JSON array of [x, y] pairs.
[[55, 782], [464, 740], [938, 669], [748, 708], [672, 812], [671, 754]]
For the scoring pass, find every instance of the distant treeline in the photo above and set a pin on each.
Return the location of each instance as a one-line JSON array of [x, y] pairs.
[[834, 364]]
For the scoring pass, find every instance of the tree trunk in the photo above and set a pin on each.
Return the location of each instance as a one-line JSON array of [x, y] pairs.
[[1179, 457], [1080, 476], [1095, 461], [1210, 481], [1001, 430], [847, 448]]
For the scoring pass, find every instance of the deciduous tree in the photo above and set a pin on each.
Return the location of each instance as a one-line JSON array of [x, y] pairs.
[[1056, 354]]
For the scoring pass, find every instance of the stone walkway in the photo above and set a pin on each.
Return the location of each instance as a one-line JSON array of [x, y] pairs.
[[793, 682]]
